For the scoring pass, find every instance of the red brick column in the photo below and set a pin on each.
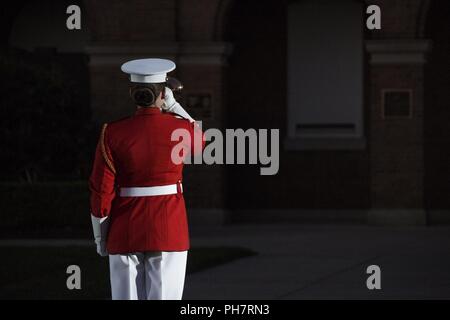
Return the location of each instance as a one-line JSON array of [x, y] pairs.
[[396, 140]]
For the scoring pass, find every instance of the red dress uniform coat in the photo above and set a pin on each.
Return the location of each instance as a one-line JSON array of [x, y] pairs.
[[136, 152]]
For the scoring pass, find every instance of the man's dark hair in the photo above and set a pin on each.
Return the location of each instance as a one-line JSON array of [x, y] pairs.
[[145, 94]]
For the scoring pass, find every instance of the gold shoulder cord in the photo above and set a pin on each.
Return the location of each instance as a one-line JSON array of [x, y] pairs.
[[102, 145]]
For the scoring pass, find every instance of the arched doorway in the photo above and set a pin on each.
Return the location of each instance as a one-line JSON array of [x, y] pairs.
[[321, 177], [437, 112]]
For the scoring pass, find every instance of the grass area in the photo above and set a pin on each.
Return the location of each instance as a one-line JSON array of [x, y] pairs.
[[40, 273]]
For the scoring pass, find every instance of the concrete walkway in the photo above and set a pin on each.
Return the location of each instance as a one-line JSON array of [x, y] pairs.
[[325, 262]]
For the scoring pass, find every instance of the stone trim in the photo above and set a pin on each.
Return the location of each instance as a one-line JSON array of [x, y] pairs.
[[375, 217], [301, 216], [204, 53], [385, 52]]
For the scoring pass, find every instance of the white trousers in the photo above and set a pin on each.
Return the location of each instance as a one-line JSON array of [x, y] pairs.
[[148, 276]]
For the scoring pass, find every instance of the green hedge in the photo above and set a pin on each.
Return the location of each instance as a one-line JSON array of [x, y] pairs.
[[44, 209]]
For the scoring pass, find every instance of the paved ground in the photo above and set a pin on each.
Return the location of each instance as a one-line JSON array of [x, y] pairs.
[[318, 262]]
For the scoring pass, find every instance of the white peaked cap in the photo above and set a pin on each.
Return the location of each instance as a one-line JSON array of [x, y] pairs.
[[148, 70]]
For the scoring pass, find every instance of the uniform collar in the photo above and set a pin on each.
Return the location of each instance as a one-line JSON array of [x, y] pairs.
[[150, 110]]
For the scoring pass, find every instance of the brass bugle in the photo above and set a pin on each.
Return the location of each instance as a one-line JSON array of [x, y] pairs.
[[174, 84]]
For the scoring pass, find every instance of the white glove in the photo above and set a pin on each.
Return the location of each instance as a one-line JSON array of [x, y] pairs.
[[171, 105], [101, 248], [100, 229], [169, 99]]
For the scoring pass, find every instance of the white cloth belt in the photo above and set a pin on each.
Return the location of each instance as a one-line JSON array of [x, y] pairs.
[[150, 191]]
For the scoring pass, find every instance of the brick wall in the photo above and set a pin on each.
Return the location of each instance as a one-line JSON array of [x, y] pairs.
[[399, 18], [387, 173], [396, 144], [130, 21]]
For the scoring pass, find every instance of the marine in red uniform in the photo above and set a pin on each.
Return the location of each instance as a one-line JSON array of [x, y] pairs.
[[137, 203]]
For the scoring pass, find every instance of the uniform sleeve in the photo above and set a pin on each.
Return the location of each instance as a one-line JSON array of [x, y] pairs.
[[102, 179]]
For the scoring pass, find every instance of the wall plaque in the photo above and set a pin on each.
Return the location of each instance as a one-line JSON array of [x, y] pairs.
[[199, 105], [396, 103]]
